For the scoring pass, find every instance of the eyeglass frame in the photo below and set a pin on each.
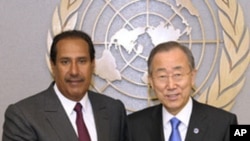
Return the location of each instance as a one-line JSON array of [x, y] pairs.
[[175, 77]]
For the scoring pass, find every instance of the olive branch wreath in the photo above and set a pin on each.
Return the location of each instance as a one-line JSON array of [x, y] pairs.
[[234, 59]]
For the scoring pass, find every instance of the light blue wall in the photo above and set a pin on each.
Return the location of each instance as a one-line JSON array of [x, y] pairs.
[[23, 43]]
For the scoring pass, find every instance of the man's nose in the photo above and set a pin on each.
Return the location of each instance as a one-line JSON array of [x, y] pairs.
[[74, 69], [171, 83]]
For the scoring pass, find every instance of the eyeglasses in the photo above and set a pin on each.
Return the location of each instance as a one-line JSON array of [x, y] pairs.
[[164, 77]]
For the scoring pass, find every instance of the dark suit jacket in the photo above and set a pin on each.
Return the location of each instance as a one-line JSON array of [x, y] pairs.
[[213, 124], [42, 118]]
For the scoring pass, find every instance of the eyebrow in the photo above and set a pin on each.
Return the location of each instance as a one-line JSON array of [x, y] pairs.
[[64, 58]]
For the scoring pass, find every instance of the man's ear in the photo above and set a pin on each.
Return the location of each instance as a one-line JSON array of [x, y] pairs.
[[194, 72], [93, 65], [52, 66], [150, 81]]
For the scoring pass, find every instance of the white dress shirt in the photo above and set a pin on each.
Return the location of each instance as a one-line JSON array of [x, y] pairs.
[[88, 115], [183, 116]]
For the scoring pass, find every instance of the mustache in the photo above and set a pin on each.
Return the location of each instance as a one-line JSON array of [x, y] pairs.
[[74, 79]]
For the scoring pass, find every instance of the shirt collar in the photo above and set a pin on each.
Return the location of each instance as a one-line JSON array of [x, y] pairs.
[[69, 105], [183, 115]]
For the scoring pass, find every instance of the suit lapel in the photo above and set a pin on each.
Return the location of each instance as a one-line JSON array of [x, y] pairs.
[[101, 117], [157, 124], [57, 117], [197, 125]]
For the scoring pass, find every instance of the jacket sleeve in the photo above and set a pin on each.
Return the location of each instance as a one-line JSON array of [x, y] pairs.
[[233, 121], [16, 127]]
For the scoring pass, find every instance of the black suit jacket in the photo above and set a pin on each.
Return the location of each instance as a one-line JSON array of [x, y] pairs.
[[213, 124], [42, 117]]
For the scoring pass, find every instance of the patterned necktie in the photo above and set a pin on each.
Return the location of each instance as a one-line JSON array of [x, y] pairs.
[[175, 134], [83, 134]]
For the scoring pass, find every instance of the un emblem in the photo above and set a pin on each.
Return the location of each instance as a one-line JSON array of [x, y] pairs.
[[124, 32]]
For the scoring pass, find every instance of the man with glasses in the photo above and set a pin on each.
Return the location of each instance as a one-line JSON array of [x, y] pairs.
[[171, 75]]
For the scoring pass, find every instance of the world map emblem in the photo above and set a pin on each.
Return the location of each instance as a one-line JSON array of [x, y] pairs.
[[124, 32]]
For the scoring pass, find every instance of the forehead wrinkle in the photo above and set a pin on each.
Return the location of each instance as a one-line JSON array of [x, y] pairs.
[[160, 69], [165, 70], [177, 68], [79, 57]]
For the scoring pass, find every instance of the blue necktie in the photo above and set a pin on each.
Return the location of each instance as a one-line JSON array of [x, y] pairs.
[[175, 134]]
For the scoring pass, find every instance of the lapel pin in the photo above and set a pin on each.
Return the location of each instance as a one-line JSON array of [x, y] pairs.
[[196, 130]]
